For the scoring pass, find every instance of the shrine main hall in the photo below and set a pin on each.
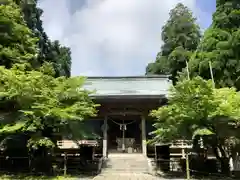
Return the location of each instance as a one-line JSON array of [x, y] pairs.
[[123, 122]]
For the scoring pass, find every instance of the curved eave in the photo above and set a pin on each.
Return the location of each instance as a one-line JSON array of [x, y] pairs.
[[128, 96], [129, 77]]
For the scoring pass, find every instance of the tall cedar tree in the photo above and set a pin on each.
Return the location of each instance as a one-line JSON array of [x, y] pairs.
[[180, 36], [17, 42], [220, 46], [53, 52]]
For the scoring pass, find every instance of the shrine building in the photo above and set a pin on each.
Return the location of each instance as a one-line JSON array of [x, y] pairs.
[[123, 121]]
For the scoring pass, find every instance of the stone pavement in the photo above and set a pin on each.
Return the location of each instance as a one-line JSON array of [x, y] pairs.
[[125, 176]]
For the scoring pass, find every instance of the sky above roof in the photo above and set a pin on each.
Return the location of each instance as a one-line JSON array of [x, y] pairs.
[[114, 37]]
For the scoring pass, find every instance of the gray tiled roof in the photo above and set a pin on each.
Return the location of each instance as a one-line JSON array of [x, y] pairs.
[[128, 85]]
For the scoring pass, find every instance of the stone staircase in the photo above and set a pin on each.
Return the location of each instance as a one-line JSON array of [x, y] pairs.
[[127, 163]]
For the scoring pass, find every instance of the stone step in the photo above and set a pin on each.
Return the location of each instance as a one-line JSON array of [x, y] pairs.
[[124, 167], [127, 170], [132, 163], [126, 176], [127, 167], [124, 171]]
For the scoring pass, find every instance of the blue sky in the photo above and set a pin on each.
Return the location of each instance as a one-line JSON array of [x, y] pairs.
[[208, 7], [114, 37]]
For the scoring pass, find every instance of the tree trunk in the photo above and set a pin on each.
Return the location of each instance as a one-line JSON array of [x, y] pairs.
[[223, 159]]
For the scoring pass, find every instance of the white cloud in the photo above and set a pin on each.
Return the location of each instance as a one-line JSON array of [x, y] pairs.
[[109, 37]]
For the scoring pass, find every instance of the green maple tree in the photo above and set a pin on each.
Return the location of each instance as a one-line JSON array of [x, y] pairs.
[[196, 108], [41, 103]]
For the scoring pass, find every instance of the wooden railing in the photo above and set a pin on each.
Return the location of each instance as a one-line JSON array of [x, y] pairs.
[[180, 146], [70, 144]]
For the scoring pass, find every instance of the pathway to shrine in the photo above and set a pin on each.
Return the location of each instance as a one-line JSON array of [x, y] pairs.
[[126, 176], [126, 167]]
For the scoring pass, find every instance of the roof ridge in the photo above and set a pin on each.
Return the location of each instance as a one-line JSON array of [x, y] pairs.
[[127, 77]]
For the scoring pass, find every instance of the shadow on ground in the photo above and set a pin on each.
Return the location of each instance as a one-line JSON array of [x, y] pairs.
[[180, 175], [41, 177]]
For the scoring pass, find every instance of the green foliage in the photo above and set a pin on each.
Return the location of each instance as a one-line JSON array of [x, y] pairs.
[[60, 57], [34, 102], [220, 45], [190, 103], [17, 42], [35, 143], [202, 132], [72, 131], [196, 108], [44, 104], [53, 52], [228, 100], [180, 36]]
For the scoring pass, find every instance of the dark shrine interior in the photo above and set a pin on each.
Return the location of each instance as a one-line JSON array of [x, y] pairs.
[[133, 129]]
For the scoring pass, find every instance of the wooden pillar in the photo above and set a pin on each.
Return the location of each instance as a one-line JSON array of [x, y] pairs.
[[144, 143], [105, 128]]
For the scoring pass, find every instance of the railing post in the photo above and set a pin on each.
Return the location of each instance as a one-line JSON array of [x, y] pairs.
[[65, 164], [183, 149], [187, 167]]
